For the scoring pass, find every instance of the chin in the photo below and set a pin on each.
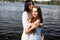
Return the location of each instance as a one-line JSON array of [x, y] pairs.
[[34, 16]]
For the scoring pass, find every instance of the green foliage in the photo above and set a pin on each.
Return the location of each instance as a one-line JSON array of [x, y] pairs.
[[54, 2], [49, 2]]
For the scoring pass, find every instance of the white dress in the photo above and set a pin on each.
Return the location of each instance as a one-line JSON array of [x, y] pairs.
[[33, 36]]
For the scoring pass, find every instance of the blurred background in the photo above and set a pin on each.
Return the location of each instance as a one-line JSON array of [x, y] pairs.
[[11, 15]]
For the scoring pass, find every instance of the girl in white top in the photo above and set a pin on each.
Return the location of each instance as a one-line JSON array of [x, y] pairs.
[[25, 16]]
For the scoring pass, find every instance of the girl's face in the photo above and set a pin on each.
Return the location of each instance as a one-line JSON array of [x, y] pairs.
[[34, 12], [30, 5]]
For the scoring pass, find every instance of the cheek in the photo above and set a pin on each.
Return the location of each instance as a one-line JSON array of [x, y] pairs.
[[34, 14], [30, 7]]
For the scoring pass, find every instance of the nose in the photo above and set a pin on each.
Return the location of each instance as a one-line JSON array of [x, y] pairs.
[[32, 5], [33, 13]]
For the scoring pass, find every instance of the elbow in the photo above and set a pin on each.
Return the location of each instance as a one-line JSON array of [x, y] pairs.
[[26, 31]]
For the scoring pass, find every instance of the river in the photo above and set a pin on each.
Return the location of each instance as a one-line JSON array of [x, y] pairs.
[[11, 23]]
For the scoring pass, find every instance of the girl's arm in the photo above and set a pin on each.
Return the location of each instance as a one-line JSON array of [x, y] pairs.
[[32, 27], [29, 30]]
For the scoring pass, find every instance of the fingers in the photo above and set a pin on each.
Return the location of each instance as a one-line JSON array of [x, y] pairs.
[[41, 24]]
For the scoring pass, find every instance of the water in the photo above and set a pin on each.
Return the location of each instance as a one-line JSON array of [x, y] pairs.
[[11, 23]]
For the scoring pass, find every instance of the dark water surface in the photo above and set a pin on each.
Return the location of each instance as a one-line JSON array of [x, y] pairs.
[[11, 24]]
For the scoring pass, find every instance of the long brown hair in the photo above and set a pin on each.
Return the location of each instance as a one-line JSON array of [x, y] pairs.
[[39, 15], [26, 6]]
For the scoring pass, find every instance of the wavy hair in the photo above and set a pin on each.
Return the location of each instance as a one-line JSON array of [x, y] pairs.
[[39, 15]]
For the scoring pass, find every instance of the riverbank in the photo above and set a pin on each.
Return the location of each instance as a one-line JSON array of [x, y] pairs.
[[36, 2], [48, 2]]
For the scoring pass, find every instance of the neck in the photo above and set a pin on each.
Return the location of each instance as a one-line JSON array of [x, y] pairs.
[[36, 17], [30, 12]]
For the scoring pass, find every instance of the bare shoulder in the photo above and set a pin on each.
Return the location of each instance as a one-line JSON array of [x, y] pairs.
[[24, 12]]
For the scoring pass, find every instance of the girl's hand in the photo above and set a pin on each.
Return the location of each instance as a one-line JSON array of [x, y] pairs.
[[37, 21], [41, 24]]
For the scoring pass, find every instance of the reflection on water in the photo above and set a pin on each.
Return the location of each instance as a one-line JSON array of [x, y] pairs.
[[11, 23]]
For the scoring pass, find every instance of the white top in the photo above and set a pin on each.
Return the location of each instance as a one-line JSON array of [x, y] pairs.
[[26, 25]]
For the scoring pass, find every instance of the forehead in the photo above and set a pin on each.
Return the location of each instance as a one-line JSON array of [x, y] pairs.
[[30, 2], [34, 9]]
